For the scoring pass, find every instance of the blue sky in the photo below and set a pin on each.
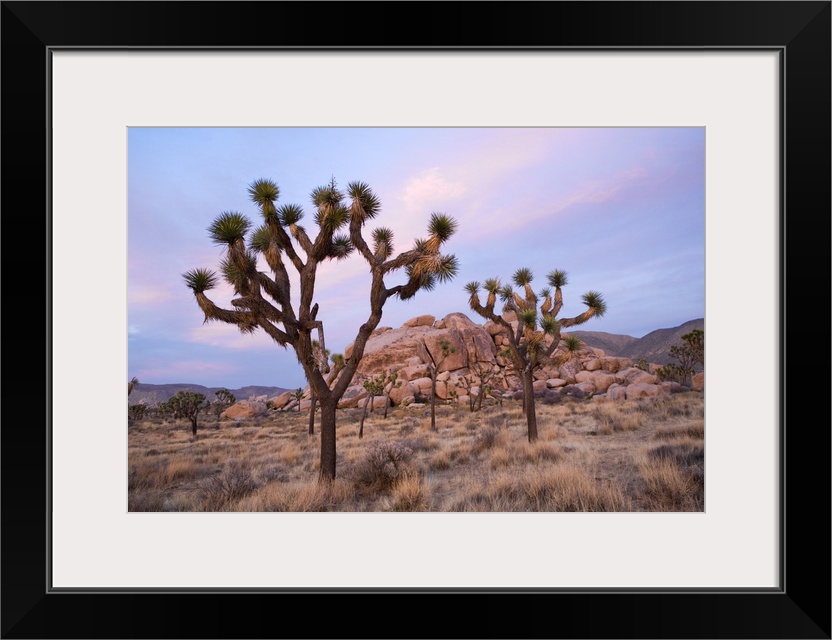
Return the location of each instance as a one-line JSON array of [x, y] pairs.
[[620, 210]]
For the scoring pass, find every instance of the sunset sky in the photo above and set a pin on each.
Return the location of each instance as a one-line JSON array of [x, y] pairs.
[[620, 210]]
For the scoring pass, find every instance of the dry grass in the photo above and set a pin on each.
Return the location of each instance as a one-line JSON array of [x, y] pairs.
[[597, 455]]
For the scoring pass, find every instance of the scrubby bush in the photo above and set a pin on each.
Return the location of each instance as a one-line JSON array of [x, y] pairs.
[[384, 464], [232, 483], [488, 437]]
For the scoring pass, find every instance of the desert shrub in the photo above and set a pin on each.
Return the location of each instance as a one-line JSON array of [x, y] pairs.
[[383, 464], [691, 429], [669, 488], [551, 488], [539, 451], [498, 420], [685, 455], [145, 474], [178, 468], [297, 496], [291, 453], [232, 483], [614, 418], [272, 473], [551, 397], [421, 443], [409, 426], [575, 392], [674, 476], [488, 438], [409, 494], [145, 501], [440, 461]]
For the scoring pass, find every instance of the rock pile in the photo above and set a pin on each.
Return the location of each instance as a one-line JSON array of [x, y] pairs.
[[474, 365]]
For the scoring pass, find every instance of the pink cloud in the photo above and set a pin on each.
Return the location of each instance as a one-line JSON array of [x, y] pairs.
[[429, 187]]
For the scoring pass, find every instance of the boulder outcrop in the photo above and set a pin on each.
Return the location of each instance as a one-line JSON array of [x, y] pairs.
[[244, 409], [475, 350]]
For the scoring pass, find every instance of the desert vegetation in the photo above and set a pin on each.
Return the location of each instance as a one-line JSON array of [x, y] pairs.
[[593, 454]]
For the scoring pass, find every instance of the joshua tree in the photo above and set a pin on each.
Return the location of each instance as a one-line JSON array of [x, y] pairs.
[[224, 400], [137, 411], [529, 344], [298, 395], [391, 381], [689, 354], [692, 350], [445, 349], [187, 404], [374, 387], [480, 375], [264, 301], [133, 382]]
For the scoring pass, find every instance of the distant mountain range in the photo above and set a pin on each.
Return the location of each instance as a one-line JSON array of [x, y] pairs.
[[654, 347], [153, 394]]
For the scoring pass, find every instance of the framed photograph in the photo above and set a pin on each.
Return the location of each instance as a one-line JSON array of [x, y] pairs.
[[81, 79]]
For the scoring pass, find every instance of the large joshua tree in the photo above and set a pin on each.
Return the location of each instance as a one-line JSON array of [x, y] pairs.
[[265, 301], [529, 344]]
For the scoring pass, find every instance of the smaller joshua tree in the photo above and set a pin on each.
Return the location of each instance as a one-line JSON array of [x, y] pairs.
[[436, 360], [479, 377], [224, 400], [692, 350], [374, 387], [538, 329], [689, 354], [187, 404], [137, 411], [297, 394], [391, 381]]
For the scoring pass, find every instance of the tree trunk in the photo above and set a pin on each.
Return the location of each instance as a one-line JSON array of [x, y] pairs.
[[312, 411], [528, 404], [433, 399], [363, 416], [328, 407], [193, 426]]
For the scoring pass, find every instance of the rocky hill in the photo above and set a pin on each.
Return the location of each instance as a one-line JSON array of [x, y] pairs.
[[604, 365], [154, 394], [654, 347], [475, 363]]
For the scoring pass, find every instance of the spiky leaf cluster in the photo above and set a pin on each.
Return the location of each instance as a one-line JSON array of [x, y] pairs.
[[264, 192], [200, 280], [229, 227], [365, 203], [382, 243], [594, 300]]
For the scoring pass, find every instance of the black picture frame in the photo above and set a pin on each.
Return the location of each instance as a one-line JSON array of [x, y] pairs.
[[799, 31]]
